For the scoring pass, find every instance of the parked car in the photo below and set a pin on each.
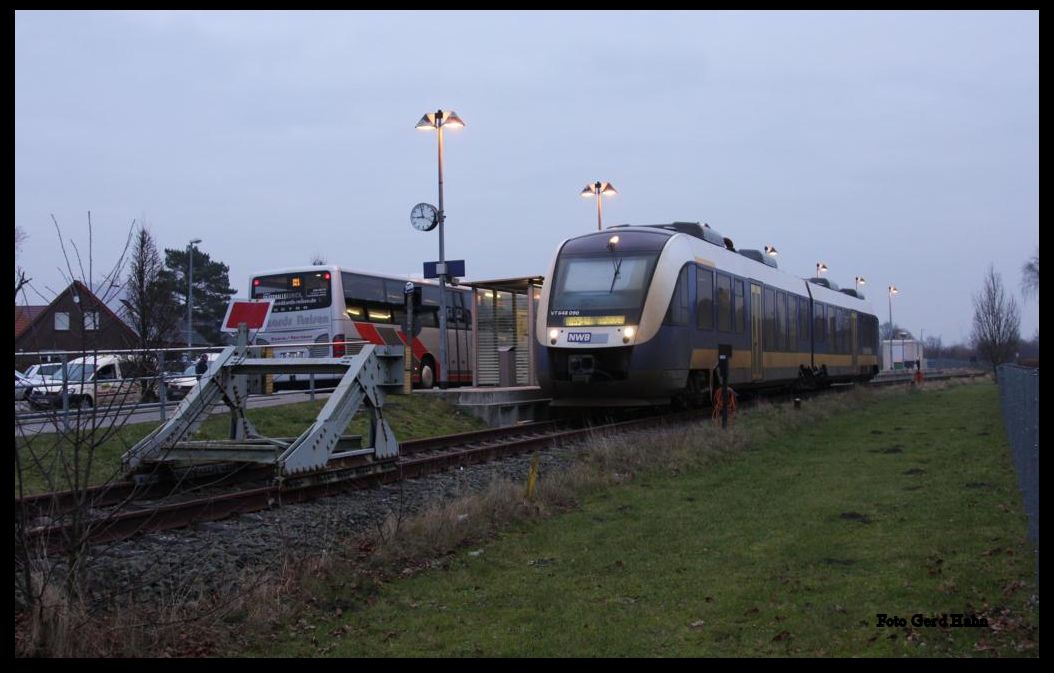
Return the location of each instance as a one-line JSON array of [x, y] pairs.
[[91, 380], [177, 388], [22, 386], [40, 373]]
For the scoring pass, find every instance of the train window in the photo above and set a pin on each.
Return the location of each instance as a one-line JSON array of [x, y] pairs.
[[724, 303], [770, 319], [847, 332], [680, 307], [781, 320], [704, 289], [739, 315], [803, 317], [832, 321], [819, 320]]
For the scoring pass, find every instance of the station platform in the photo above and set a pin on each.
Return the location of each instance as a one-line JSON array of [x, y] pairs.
[[497, 407]]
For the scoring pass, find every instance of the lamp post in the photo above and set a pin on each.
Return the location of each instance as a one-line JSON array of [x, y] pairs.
[[190, 291], [599, 190], [820, 268], [892, 291], [437, 120], [858, 281], [771, 251]]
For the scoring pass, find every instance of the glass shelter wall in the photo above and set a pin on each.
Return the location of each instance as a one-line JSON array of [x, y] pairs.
[[503, 324]]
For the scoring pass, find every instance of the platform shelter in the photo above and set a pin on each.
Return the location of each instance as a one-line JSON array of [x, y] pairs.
[[503, 331]]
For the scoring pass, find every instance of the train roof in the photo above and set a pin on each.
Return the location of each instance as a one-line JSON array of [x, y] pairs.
[[711, 248]]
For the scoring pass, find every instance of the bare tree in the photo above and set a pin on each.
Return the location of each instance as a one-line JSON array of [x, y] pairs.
[[996, 322], [21, 279], [318, 259], [63, 461], [1030, 276]]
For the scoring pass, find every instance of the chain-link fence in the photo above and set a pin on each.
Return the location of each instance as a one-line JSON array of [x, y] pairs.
[[1019, 392]]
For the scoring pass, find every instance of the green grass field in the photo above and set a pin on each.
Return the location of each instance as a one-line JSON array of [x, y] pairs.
[[793, 547], [48, 459]]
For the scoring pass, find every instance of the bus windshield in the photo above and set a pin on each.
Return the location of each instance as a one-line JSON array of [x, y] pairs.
[[295, 291]]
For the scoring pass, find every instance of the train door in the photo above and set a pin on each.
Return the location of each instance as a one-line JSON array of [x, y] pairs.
[[756, 371], [855, 344]]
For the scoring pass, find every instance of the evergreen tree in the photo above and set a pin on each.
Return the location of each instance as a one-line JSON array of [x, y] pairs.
[[212, 289]]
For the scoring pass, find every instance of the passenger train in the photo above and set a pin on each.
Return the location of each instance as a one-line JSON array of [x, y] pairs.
[[640, 315]]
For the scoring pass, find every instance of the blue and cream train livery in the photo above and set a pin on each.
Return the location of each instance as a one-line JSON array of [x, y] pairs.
[[639, 315]]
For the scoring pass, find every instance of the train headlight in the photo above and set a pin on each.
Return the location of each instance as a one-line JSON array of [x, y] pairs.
[[553, 334], [628, 333]]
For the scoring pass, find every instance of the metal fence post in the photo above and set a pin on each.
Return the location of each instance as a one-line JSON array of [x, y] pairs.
[[161, 397]]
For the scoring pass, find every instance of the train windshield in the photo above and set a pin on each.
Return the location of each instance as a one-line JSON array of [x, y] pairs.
[[611, 284]]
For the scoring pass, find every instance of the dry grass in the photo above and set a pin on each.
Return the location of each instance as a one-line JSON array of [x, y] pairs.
[[182, 623]]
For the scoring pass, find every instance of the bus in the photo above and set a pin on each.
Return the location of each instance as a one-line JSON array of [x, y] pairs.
[[318, 308]]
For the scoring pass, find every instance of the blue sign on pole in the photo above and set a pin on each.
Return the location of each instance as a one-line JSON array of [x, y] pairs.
[[454, 267]]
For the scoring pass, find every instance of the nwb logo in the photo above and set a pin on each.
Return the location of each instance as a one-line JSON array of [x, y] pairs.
[[579, 337]]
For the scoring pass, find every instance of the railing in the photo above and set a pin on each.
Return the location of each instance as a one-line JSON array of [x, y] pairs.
[[147, 390]]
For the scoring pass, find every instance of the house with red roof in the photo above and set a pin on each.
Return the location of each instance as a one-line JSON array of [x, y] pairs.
[[76, 320]]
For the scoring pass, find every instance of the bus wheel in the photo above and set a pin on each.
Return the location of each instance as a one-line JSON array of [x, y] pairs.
[[427, 374], [85, 402]]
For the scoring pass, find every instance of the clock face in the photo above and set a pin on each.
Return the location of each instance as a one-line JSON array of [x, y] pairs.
[[424, 217]]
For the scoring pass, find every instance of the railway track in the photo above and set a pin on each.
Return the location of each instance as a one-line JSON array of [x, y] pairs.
[[55, 521], [178, 498]]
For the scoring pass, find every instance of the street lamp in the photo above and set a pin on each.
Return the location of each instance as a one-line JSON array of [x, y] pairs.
[[820, 268], [599, 190], [438, 120], [858, 281], [771, 251], [190, 290], [892, 291]]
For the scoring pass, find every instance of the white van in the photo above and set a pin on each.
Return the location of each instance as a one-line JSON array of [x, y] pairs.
[[90, 381]]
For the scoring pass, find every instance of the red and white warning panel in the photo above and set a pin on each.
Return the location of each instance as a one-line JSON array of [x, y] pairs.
[[253, 312]]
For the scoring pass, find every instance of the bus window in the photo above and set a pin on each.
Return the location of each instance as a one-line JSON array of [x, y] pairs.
[[294, 291], [376, 312], [363, 287], [427, 316], [430, 295], [393, 292], [355, 311]]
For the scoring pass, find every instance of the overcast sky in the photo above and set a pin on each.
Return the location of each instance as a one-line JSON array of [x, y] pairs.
[[899, 146]]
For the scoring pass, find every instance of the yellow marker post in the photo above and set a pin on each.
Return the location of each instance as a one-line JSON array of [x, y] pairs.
[[532, 477]]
